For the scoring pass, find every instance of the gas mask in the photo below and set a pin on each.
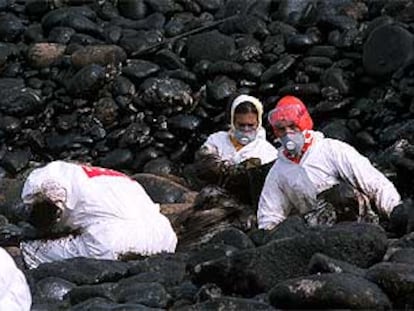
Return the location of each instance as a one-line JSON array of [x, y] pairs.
[[293, 142], [245, 136]]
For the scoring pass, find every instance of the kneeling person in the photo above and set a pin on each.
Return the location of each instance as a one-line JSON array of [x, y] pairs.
[[112, 213]]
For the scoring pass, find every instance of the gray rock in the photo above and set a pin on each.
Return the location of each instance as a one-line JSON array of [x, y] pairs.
[[52, 289], [171, 268], [82, 270], [16, 161], [149, 294], [232, 237], [83, 293], [227, 303], [321, 263], [102, 304], [403, 255], [328, 291], [291, 226], [396, 280]]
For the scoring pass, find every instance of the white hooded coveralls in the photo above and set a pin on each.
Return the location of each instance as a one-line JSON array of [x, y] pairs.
[[14, 290], [291, 187], [219, 143], [113, 211]]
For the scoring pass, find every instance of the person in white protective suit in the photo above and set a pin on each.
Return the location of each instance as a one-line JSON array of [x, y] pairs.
[[14, 291], [246, 138], [228, 158], [112, 212], [309, 165]]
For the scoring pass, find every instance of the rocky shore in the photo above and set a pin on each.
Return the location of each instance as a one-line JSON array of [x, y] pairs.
[[138, 85]]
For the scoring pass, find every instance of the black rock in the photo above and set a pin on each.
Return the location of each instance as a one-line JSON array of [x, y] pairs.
[[321, 263], [220, 89], [61, 35], [251, 271], [118, 159], [232, 237], [82, 270], [15, 161], [138, 70], [220, 47], [148, 294], [403, 255], [11, 28], [337, 290], [165, 93], [83, 293], [134, 9], [160, 166], [161, 189], [227, 303], [274, 71], [105, 304], [52, 289], [396, 280], [386, 49], [87, 80]]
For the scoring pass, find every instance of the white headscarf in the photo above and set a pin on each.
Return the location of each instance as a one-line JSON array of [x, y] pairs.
[[246, 98]]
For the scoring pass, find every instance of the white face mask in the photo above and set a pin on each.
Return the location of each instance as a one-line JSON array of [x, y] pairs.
[[293, 142], [245, 137]]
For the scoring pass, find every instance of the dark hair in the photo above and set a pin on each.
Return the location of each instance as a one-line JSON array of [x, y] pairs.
[[44, 214], [246, 107]]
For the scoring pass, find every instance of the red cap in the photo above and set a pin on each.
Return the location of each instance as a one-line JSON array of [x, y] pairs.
[[291, 108]]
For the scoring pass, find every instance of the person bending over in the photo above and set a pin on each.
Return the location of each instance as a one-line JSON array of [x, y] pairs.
[[110, 212]]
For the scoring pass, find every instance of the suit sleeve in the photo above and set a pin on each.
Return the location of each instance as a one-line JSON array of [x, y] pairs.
[[358, 171], [273, 204]]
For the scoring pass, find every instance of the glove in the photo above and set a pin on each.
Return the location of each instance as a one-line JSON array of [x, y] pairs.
[[235, 179], [401, 219], [10, 235], [206, 169]]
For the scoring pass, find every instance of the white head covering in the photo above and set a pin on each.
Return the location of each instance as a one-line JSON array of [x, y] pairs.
[[38, 184], [246, 98]]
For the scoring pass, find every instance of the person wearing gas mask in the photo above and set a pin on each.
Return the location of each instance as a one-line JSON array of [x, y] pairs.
[[108, 214], [246, 138], [324, 180], [226, 157]]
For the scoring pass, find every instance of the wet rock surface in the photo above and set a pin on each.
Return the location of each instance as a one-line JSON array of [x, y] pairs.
[[138, 85], [323, 291]]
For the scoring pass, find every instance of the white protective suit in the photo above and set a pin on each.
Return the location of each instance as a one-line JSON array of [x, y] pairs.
[[219, 143], [14, 290], [293, 188], [114, 213]]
